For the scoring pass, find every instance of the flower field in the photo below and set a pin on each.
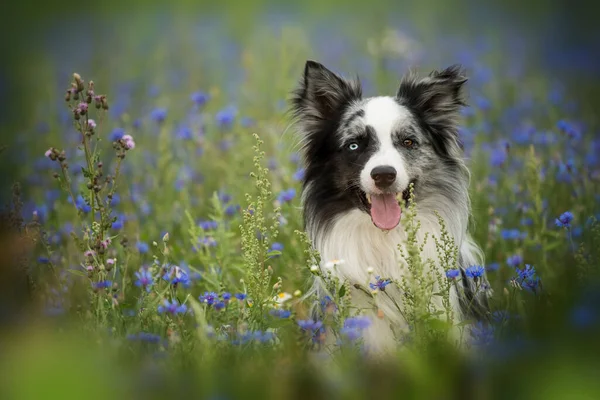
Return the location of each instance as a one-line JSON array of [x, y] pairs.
[[153, 240]]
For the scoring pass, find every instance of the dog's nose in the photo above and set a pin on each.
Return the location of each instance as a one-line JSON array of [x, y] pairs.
[[383, 176]]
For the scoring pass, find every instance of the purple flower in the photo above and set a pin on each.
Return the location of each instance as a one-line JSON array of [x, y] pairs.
[[514, 261], [225, 117], [475, 271], [91, 124], [49, 152], [176, 275], [380, 284], [276, 246], [129, 143], [452, 273], [159, 115], [286, 195], [310, 325], [565, 219], [209, 298], [526, 272], [208, 225], [144, 278], [280, 313], [200, 98], [359, 322], [117, 134], [172, 307], [101, 285], [240, 296], [142, 247], [299, 174]]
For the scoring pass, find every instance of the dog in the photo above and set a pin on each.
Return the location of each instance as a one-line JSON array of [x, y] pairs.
[[361, 156]]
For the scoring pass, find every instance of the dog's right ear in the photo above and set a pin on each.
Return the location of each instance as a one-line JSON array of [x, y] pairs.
[[322, 95]]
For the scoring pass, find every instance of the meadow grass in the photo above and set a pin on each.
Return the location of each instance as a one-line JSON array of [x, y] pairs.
[[154, 242]]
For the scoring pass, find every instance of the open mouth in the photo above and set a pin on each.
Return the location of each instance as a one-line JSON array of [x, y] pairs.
[[385, 209]]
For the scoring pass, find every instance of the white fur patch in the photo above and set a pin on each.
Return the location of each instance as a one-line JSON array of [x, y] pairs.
[[386, 116], [354, 239]]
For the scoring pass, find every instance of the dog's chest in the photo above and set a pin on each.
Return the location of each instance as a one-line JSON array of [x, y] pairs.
[[355, 240]]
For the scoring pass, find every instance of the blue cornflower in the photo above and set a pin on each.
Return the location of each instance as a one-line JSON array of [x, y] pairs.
[[263, 337], [159, 115], [224, 197], [219, 305], [380, 284], [142, 247], [247, 122], [513, 234], [286, 195], [475, 271], [514, 261], [200, 98], [328, 305], [565, 219], [452, 273], [144, 278], [209, 298], [299, 174], [310, 325], [526, 272], [531, 283], [359, 322], [492, 267], [118, 224], [225, 117], [185, 133], [172, 307], [500, 316], [226, 296], [280, 313], [481, 334], [82, 205], [498, 157], [208, 241], [117, 134], [240, 296], [208, 225], [43, 260], [232, 209], [102, 285], [276, 246], [176, 275], [351, 334]]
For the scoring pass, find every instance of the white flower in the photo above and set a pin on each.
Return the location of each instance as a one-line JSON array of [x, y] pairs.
[[282, 298], [314, 268], [370, 270], [333, 263]]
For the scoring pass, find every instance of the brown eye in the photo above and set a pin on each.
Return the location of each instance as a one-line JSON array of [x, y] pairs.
[[407, 143]]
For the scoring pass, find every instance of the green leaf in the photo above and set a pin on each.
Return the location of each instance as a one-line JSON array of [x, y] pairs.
[[342, 291]]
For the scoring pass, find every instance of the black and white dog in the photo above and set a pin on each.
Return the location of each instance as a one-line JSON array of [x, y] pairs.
[[361, 155]]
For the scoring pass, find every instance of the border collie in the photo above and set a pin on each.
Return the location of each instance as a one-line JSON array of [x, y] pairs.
[[360, 156]]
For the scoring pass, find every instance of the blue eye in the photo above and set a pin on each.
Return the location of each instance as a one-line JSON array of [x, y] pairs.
[[353, 146]]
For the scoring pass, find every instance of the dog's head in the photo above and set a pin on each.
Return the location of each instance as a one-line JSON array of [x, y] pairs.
[[365, 152]]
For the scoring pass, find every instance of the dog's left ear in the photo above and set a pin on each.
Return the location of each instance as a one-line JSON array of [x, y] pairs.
[[437, 99], [322, 95]]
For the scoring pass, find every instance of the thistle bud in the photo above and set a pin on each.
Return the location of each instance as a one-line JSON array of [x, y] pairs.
[[68, 95], [165, 238], [277, 286], [370, 270], [76, 114], [298, 293], [104, 103], [78, 82]]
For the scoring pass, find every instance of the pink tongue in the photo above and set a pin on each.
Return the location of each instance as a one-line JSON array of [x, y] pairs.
[[385, 211]]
